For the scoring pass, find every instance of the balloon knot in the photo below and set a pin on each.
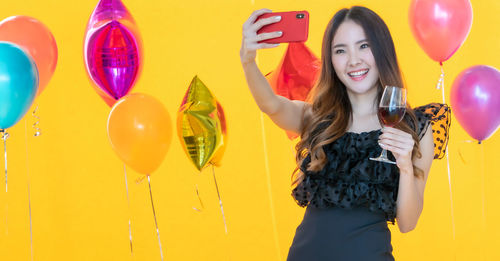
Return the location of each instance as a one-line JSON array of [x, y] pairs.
[[4, 134]]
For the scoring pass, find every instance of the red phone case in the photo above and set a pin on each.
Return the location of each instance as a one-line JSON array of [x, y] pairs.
[[294, 25]]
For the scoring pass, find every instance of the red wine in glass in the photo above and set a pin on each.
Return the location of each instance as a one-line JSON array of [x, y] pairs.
[[391, 115], [391, 110]]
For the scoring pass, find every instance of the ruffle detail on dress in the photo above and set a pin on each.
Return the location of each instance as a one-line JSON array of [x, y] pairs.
[[350, 178], [439, 117]]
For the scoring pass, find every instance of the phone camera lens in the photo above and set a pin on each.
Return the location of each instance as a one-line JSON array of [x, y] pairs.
[[300, 16]]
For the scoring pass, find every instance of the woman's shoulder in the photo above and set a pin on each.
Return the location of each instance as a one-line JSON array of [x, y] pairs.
[[433, 111], [438, 116]]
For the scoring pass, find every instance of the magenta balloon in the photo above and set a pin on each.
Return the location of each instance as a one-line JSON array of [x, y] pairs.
[[112, 50], [440, 26], [475, 99]]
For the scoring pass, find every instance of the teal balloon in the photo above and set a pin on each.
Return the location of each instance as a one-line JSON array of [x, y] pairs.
[[18, 83]]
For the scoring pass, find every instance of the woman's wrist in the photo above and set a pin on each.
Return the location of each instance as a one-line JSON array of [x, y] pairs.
[[406, 170], [248, 62]]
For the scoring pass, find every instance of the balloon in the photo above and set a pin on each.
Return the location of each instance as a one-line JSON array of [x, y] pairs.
[[440, 26], [201, 125], [112, 50], [216, 160], [296, 74], [475, 98], [140, 131], [18, 84], [36, 40]]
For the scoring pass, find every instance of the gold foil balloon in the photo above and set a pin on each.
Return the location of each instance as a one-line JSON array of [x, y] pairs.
[[220, 152], [201, 125]]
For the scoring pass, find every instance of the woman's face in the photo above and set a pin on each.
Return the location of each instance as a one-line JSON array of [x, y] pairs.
[[352, 58]]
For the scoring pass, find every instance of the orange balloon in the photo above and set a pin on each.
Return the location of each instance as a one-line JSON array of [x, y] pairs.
[[37, 40], [140, 131]]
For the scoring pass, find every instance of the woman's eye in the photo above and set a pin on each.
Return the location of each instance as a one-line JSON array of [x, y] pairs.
[[365, 45], [338, 51]]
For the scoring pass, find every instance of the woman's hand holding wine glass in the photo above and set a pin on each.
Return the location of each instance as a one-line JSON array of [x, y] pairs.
[[392, 109]]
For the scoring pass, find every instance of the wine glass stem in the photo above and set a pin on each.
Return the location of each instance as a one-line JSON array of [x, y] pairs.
[[384, 154]]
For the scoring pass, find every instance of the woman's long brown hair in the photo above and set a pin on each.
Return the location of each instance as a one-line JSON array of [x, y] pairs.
[[329, 100]]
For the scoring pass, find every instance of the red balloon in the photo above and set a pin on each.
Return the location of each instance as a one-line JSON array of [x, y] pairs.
[[475, 98], [296, 74], [440, 26], [36, 39]]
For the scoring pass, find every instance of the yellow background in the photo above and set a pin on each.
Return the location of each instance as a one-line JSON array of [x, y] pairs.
[[78, 197]]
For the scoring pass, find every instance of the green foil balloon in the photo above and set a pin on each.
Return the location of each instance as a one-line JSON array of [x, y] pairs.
[[201, 125]]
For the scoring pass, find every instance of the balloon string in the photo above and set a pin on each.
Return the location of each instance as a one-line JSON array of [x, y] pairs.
[[483, 199], [128, 203], [29, 186], [36, 125], [451, 194], [31, 225], [4, 137], [440, 85], [199, 198], [441, 81], [154, 215], [269, 188], [222, 211], [220, 200]]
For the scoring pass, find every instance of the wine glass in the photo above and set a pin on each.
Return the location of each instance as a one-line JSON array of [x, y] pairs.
[[391, 110]]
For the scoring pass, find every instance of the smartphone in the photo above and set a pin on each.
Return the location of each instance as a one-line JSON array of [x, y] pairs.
[[294, 25]]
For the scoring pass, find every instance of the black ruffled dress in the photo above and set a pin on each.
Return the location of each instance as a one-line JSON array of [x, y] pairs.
[[350, 201]]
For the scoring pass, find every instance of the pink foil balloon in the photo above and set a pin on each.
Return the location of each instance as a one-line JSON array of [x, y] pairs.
[[112, 50], [475, 99], [440, 26]]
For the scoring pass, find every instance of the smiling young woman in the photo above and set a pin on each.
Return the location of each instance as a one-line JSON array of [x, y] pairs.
[[350, 198]]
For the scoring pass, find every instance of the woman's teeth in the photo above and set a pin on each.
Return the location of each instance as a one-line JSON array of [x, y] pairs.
[[358, 73]]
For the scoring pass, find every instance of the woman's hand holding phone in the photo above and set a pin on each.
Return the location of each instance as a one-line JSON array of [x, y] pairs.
[[250, 42]]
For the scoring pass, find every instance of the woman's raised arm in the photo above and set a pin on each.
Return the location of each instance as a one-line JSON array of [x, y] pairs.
[[285, 113]]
